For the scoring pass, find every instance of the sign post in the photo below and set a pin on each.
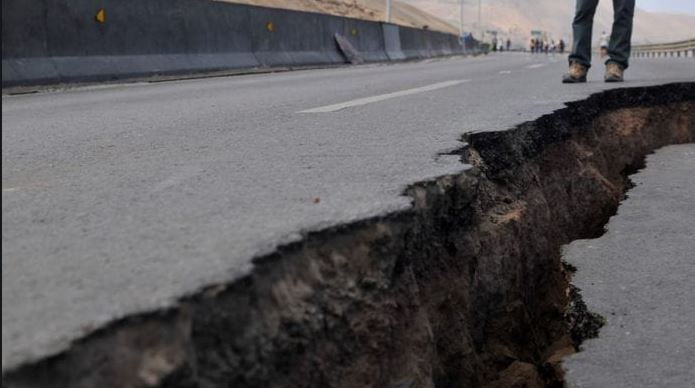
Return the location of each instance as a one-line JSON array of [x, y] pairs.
[[388, 11]]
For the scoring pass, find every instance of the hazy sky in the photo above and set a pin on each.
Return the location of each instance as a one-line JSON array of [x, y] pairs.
[[678, 6]]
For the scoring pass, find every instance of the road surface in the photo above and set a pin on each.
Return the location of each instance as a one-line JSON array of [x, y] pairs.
[[121, 199], [639, 276]]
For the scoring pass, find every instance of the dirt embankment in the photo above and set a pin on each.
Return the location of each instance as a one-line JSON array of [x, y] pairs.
[[375, 10], [466, 289]]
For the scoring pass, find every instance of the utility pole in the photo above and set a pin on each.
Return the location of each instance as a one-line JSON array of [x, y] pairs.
[[388, 11], [461, 21], [480, 15]]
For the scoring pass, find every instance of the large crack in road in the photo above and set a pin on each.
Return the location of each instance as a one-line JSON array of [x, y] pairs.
[[465, 289]]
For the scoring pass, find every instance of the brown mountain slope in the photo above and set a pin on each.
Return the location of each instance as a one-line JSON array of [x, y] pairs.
[[516, 18], [402, 13], [512, 18]]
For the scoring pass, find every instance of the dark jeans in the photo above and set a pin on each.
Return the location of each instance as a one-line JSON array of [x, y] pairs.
[[619, 46]]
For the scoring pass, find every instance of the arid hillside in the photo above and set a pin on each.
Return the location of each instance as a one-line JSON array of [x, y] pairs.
[[511, 18], [516, 18], [402, 13]]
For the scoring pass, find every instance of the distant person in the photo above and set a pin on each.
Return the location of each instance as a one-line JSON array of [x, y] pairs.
[[509, 44], [494, 44], [618, 46], [539, 44], [561, 46], [471, 43], [603, 44], [546, 47], [533, 46]]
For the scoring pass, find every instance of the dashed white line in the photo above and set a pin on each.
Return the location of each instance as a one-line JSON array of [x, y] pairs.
[[536, 65], [382, 97], [506, 72]]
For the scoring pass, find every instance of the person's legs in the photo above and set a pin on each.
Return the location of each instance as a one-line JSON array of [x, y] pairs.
[[619, 47], [581, 30]]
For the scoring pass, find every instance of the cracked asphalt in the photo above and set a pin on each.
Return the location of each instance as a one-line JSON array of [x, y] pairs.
[[639, 276], [121, 199]]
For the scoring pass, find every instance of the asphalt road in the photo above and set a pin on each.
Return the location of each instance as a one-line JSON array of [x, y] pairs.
[[639, 276], [120, 199]]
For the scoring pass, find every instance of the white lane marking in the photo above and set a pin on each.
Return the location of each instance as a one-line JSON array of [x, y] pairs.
[[382, 97], [506, 72], [536, 66]]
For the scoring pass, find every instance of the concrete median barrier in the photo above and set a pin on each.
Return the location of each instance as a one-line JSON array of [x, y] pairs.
[[136, 38], [285, 38], [414, 43], [24, 42], [59, 41], [440, 44], [368, 38], [419, 44], [392, 42]]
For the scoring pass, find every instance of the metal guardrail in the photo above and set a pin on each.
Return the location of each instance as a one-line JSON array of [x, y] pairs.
[[685, 48]]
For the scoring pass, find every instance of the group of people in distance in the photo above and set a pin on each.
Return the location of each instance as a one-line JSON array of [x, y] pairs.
[[500, 44], [615, 46], [539, 46]]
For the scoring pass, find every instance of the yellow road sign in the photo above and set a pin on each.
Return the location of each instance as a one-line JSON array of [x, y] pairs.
[[100, 16]]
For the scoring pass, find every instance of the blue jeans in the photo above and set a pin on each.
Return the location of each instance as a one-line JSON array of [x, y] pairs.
[[619, 46]]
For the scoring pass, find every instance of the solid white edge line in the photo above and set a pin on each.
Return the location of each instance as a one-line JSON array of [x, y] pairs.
[[382, 97]]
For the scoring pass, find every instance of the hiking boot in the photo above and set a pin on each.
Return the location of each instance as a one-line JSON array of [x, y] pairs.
[[614, 72], [576, 74]]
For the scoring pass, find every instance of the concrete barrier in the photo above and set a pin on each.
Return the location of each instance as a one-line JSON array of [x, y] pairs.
[[281, 37], [414, 43], [367, 37], [392, 42], [137, 38], [24, 42], [440, 44], [418, 44], [54, 41]]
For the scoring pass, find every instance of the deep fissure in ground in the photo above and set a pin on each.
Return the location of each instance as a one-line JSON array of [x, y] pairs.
[[467, 289]]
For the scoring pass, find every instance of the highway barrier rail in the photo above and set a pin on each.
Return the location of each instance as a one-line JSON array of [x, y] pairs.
[[59, 41], [684, 48]]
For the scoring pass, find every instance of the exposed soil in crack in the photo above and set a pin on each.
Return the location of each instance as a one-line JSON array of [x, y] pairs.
[[467, 289]]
